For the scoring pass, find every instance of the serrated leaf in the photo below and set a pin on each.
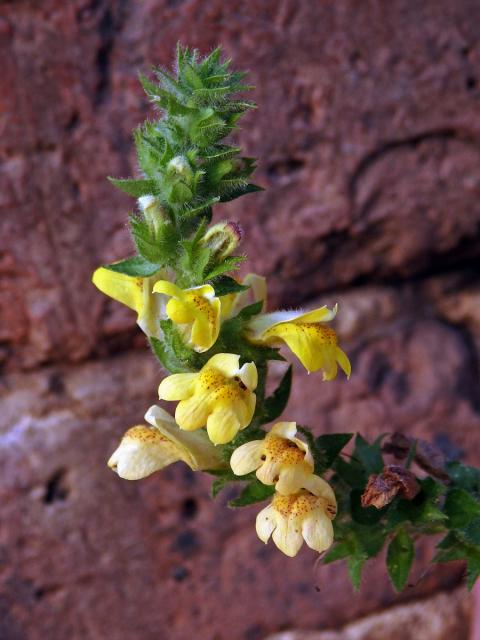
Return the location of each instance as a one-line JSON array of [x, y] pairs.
[[463, 476], [224, 285], [240, 191], [352, 473], [223, 477], [473, 567], [135, 266], [228, 264], [255, 491], [400, 555], [340, 551], [329, 447], [275, 404], [369, 455], [167, 357], [355, 565], [135, 188], [461, 508]]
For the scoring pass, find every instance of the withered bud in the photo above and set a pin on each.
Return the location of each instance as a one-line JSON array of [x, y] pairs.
[[381, 489], [223, 238], [427, 456]]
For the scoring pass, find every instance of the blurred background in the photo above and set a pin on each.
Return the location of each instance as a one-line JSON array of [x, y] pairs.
[[368, 138]]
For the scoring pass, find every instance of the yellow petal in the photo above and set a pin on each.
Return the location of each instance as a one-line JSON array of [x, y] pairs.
[[269, 472], [206, 327], [142, 451], [248, 375], [195, 449], [287, 536], [323, 314], [247, 458], [192, 413], [284, 429], [226, 363], [168, 288], [177, 386], [125, 289], [317, 531], [265, 523], [179, 312], [222, 425], [293, 478], [343, 361], [320, 487]]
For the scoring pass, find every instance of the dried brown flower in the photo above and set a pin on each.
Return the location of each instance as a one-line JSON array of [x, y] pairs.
[[381, 489]]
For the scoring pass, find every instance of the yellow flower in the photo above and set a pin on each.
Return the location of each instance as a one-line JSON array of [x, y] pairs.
[[196, 310], [311, 341], [144, 450], [233, 303], [135, 293], [280, 459], [306, 515], [220, 396]]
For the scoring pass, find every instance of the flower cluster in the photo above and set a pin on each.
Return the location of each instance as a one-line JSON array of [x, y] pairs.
[[215, 337], [212, 332]]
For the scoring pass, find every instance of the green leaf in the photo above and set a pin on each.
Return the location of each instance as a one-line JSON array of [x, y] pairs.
[[463, 476], [329, 447], [223, 477], [228, 264], [135, 188], [173, 353], [249, 311], [240, 191], [461, 508], [167, 357], [135, 266], [400, 555], [473, 567], [370, 455], [352, 473], [275, 404], [340, 551], [355, 566], [225, 284], [255, 491]]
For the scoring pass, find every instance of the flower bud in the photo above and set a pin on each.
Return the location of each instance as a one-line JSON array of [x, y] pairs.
[[223, 238], [180, 166], [151, 209]]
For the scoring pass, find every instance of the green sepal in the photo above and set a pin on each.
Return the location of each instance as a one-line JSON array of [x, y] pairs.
[[238, 191], [133, 187], [135, 266], [400, 555], [224, 285], [172, 352], [255, 491], [228, 264]]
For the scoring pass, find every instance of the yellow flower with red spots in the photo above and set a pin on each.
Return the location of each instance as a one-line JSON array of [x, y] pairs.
[[280, 459], [306, 335], [303, 516], [220, 396], [144, 450], [196, 311]]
